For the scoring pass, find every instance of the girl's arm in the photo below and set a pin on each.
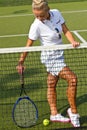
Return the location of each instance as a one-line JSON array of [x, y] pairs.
[[69, 36], [20, 66], [23, 55]]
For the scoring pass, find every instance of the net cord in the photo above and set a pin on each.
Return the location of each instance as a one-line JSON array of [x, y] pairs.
[[40, 48]]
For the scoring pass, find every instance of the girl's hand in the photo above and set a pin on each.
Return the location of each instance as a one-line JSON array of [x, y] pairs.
[[20, 68], [75, 44]]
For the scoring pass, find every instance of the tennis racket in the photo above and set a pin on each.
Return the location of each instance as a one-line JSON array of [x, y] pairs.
[[25, 112]]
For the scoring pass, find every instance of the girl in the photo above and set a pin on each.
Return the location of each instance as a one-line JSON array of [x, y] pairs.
[[47, 27]]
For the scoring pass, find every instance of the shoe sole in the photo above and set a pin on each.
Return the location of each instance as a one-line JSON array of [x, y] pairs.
[[71, 122], [60, 121]]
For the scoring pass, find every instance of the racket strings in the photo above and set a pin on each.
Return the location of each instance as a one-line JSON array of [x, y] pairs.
[[25, 113]]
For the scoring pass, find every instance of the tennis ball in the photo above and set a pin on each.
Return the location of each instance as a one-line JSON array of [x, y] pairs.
[[46, 122]]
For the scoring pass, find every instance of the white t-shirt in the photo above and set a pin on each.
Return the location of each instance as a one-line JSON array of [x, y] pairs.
[[48, 31]]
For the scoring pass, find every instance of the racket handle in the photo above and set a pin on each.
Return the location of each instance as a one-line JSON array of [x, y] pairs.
[[22, 76]]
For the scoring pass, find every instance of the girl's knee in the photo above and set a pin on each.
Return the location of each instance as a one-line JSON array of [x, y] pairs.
[[73, 80], [51, 80]]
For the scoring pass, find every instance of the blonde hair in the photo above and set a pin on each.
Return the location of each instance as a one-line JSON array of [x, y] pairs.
[[40, 5]]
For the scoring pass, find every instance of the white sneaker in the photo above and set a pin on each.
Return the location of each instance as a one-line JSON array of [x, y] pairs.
[[59, 118], [74, 118]]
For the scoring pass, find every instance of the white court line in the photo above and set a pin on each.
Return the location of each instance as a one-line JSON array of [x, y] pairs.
[[79, 36], [15, 35], [20, 35], [19, 15], [76, 11], [84, 30]]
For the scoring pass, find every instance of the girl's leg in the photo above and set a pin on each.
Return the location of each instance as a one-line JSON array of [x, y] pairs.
[[51, 93], [71, 78], [52, 100]]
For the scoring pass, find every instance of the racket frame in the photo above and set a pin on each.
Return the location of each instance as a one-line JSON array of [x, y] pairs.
[[22, 98], [13, 111]]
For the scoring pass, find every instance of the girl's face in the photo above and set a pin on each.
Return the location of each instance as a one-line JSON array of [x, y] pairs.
[[41, 14]]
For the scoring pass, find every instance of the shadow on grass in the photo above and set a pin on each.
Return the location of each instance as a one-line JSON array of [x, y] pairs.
[[20, 11], [80, 100], [72, 128]]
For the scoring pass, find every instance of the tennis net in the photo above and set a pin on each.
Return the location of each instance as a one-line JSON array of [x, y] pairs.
[[36, 83]]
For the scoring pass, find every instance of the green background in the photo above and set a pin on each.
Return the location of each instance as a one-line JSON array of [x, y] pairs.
[[15, 20]]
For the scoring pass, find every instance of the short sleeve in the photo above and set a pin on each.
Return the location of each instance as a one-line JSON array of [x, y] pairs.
[[61, 18], [33, 32]]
